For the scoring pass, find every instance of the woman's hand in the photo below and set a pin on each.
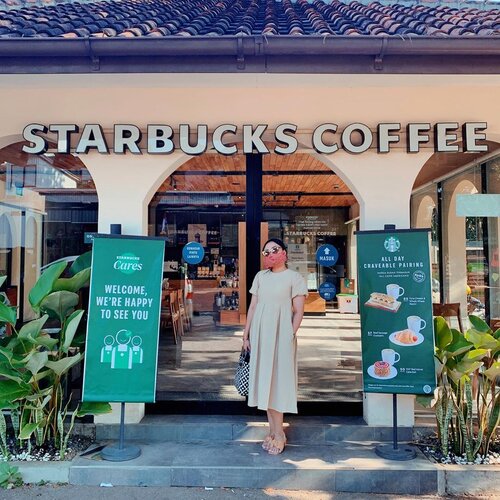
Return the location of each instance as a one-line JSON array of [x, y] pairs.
[[246, 344]]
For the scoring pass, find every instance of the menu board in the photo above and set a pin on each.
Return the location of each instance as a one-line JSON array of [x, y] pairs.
[[395, 295]]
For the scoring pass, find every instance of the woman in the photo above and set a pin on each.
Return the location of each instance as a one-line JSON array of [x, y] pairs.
[[274, 316]]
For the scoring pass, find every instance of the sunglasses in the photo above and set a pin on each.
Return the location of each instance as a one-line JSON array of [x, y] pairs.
[[273, 250]]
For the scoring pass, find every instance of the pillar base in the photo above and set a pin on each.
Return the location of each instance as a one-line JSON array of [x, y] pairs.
[[377, 410]]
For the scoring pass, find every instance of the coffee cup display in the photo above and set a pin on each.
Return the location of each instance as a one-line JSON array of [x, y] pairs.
[[390, 356], [394, 290], [416, 323]]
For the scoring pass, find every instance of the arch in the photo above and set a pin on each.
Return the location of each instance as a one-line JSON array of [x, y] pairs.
[[7, 140], [425, 211]]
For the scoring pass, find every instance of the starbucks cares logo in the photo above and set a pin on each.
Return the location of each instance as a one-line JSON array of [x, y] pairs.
[[128, 263], [392, 244]]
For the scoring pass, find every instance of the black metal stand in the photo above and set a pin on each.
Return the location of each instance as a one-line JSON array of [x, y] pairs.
[[120, 452], [394, 451]]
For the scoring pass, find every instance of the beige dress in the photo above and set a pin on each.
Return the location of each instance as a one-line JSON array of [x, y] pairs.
[[273, 358]]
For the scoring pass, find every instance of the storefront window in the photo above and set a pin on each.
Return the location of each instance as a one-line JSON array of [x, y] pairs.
[[304, 231], [47, 203], [464, 263]]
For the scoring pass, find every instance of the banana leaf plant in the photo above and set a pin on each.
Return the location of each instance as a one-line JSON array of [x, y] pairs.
[[35, 362], [467, 399]]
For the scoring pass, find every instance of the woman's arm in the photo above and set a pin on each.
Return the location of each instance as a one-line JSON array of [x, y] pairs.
[[250, 313], [298, 311]]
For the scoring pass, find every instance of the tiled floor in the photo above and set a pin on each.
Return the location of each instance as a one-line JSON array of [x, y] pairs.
[[201, 366]]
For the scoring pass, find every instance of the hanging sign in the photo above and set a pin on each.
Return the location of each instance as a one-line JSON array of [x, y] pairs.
[[193, 252], [121, 351], [327, 290], [327, 255], [397, 332]]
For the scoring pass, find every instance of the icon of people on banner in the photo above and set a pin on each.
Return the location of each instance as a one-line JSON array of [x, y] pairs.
[[137, 352], [123, 350]]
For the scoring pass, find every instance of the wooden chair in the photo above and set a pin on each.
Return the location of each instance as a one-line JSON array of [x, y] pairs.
[[448, 310], [176, 314], [495, 324], [186, 321], [166, 318]]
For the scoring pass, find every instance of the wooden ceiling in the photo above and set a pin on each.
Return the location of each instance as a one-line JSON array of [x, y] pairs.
[[297, 180]]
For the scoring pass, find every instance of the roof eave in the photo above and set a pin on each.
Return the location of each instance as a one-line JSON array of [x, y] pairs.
[[283, 54]]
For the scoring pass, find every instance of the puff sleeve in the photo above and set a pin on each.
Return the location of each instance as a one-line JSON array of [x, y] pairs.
[[254, 290], [299, 286]]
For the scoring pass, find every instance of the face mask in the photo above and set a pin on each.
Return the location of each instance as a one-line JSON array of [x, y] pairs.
[[274, 260]]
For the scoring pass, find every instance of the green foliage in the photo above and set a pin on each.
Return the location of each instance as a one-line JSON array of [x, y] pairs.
[[82, 262], [34, 364], [93, 409], [467, 400], [9, 476]]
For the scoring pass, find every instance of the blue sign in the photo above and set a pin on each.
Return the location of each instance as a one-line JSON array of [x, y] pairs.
[[193, 253], [327, 290], [327, 255]]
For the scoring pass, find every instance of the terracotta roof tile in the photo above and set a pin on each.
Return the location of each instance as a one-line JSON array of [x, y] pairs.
[[191, 18]]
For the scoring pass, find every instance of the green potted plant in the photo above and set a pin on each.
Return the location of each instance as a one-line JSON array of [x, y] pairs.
[[34, 363]]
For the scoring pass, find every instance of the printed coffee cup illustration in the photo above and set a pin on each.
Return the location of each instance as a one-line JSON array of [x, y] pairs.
[[395, 291], [410, 336], [416, 323], [384, 368], [386, 301], [390, 356]]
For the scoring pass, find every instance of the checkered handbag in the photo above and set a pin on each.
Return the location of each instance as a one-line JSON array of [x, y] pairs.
[[242, 374]]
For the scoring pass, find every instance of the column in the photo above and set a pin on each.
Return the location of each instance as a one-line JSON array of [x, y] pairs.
[[125, 184]]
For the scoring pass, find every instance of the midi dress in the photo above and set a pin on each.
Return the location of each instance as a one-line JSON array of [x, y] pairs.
[[273, 359]]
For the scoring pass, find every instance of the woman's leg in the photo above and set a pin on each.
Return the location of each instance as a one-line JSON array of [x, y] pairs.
[[268, 439], [279, 439]]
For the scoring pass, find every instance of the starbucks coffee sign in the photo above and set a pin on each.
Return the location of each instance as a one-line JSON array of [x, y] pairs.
[[327, 138]]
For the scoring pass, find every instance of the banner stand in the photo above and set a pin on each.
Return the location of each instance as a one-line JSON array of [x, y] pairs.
[[123, 325], [382, 267], [394, 451], [120, 452]]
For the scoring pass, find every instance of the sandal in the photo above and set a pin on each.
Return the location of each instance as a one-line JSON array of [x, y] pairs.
[[267, 443], [277, 446]]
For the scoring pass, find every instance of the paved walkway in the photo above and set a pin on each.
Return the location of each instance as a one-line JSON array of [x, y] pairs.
[[65, 492]]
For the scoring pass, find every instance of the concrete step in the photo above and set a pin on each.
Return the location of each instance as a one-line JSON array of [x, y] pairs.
[[340, 467], [300, 430]]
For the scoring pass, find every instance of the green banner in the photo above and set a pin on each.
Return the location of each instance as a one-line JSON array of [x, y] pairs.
[[397, 331], [121, 352]]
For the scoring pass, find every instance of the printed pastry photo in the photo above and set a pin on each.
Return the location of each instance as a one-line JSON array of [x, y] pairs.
[[382, 368], [406, 336]]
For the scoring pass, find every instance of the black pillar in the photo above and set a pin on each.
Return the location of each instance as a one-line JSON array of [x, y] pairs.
[[440, 241], [486, 247], [253, 216]]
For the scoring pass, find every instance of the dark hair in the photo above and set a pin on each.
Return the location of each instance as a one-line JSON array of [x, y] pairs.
[[277, 241]]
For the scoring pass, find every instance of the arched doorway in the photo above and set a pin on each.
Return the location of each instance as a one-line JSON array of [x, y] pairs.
[[298, 199], [6, 242]]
